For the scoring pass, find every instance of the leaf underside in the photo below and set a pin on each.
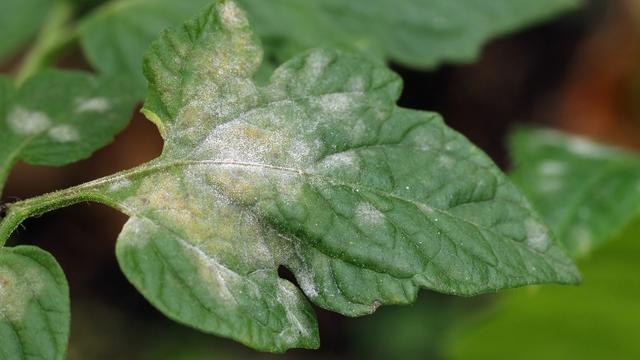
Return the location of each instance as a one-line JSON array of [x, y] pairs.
[[34, 305], [318, 171], [586, 192]]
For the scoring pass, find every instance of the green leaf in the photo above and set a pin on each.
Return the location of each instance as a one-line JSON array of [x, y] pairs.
[[115, 36], [318, 171], [34, 305], [586, 192], [20, 20], [59, 117], [419, 33], [598, 320]]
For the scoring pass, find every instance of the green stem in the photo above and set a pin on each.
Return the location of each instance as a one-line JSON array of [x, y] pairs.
[[55, 34], [96, 191], [99, 190]]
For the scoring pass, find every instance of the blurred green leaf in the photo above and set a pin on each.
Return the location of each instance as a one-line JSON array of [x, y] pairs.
[[585, 191], [34, 305], [419, 33], [597, 320], [412, 332], [58, 117], [116, 35], [20, 20]]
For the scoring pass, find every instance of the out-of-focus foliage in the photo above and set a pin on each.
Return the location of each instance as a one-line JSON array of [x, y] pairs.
[[413, 32], [585, 191], [59, 117], [597, 320], [20, 20]]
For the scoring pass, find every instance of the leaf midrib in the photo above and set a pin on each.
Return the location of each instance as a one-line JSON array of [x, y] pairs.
[[186, 163]]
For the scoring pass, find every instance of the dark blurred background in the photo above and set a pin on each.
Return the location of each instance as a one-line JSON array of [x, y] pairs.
[[579, 72]]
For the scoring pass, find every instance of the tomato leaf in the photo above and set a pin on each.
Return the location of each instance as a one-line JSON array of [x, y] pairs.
[[34, 305], [58, 117], [115, 37], [19, 20], [318, 171], [586, 192], [417, 33]]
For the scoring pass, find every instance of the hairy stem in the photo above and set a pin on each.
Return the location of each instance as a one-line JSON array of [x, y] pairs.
[[55, 34], [95, 191]]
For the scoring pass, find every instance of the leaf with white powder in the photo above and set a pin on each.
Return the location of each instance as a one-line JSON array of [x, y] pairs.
[[318, 171], [587, 192], [34, 305], [59, 117]]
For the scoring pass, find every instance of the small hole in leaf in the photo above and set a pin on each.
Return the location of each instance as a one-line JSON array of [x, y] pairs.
[[286, 274]]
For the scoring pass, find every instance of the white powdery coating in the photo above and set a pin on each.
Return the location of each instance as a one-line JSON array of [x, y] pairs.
[[336, 103], [537, 237], [290, 302], [96, 104], [16, 292], [357, 84], [120, 184], [299, 152], [584, 147], [368, 215], [64, 133], [316, 64], [552, 167], [305, 279], [138, 232], [220, 280], [345, 161], [231, 16], [211, 101], [240, 142], [26, 122], [359, 131]]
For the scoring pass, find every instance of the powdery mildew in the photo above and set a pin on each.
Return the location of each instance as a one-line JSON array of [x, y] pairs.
[[16, 292], [27, 122], [367, 215], [64, 133], [537, 236], [95, 104]]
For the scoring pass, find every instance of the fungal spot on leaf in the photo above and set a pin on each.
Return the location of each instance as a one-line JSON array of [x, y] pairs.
[[27, 122], [367, 215], [64, 133], [231, 16], [537, 236], [551, 167], [16, 292], [95, 104]]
